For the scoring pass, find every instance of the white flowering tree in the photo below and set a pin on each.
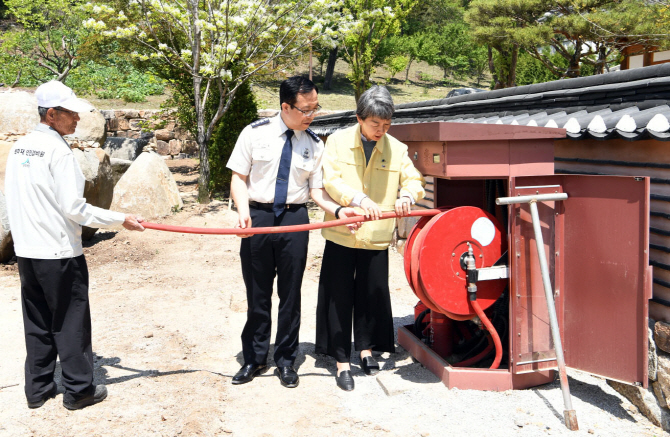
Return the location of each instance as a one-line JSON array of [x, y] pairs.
[[372, 22], [220, 44]]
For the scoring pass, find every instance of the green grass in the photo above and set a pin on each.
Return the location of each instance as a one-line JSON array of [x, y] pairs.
[[425, 83], [151, 102]]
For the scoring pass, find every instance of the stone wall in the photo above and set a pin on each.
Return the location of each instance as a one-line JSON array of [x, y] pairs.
[[168, 138]]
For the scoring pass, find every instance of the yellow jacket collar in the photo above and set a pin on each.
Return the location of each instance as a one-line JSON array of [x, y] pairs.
[[357, 142]]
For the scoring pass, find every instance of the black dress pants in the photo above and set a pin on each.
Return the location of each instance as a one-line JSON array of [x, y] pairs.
[[57, 322], [353, 285], [263, 256]]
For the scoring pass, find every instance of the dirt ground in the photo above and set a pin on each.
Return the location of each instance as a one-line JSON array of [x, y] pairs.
[[168, 310]]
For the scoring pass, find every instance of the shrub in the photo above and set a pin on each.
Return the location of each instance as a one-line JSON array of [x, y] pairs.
[[243, 110], [117, 79], [529, 70]]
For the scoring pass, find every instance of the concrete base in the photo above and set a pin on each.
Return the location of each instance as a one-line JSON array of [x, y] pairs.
[[465, 378]]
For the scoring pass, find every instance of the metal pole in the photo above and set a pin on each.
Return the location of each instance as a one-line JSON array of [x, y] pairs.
[[526, 199], [569, 413]]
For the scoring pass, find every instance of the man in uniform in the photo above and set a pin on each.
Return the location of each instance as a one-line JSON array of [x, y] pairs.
[[276, 167], [46, 210]]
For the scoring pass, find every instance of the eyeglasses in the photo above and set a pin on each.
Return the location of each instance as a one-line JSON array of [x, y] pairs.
[[58, 108], [308, 113]]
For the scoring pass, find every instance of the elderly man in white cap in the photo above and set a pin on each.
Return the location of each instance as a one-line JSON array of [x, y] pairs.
[[46, 209]]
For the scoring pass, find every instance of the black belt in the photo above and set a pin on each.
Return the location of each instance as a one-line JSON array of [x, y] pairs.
[[268, 206]]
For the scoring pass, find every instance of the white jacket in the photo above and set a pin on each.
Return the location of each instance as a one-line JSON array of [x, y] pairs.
[[45, 203]]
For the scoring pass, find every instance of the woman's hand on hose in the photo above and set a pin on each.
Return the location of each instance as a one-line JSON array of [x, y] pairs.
[[348, 213], [371, 209], [403, 206]]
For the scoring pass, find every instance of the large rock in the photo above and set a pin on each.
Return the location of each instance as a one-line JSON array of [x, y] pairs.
[[662, 384], [662, 336], [405, 225], [164, 134], [19, 112], [99, 188], [4, 153], [400, 246], [119, 168], [126, 148], [90, 127], [652, 355], [6, 243], [645, 401], [147, 188]]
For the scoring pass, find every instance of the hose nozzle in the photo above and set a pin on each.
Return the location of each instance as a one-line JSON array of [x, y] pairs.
[[471, 270]]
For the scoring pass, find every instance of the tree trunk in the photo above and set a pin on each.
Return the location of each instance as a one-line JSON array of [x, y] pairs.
[[511, 78], [330, 69], [492, 68], [18, 78], [204, 171], [409, 64], [204, 174], [573, 62]]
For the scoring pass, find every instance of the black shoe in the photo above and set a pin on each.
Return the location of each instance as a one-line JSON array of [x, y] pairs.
[[288, 376], [370, 366], [48, 395], [248, 372], [98, 396], [345, 381]]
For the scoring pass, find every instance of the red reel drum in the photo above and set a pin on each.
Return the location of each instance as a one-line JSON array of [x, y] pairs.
[[439, 248], [413, 253], [408, 249]]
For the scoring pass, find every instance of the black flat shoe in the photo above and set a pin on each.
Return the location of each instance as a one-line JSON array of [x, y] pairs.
[[345, 381], [370, 366], [99, 395], [248, 372], [287, 376], [48, 395]]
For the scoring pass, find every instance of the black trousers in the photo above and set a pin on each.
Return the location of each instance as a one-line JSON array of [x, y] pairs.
[[353, 285], [57, 322], [264, 256]]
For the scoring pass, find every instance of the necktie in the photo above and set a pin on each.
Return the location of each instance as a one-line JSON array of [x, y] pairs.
[[281, 186]]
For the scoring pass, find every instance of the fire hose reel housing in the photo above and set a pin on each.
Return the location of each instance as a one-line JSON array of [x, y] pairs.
[[596, 244], [435, 249]]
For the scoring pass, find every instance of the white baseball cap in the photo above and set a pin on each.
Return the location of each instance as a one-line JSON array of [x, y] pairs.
[[55, 94]]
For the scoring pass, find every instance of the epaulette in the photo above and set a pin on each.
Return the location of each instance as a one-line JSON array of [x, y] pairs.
[[314, 136], [260, 122]]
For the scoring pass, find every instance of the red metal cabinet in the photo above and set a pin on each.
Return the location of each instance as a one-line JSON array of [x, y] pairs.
[[596, 244]]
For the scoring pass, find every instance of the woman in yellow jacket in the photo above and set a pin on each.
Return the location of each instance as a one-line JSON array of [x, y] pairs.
[[363, 167]]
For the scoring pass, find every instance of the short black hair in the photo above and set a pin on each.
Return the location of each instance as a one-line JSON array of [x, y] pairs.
[[291, 87], [42, 112]]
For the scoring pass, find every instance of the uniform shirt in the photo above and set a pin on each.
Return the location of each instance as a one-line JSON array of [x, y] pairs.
[[45, 203], [257, 154]]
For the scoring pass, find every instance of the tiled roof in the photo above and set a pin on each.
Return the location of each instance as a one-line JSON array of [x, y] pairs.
[[630, 104]]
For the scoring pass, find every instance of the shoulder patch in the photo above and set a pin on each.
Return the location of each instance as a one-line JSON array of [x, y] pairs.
[[314, 136], [260, 122]]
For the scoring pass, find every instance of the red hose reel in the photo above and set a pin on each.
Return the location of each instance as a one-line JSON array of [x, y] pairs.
[[435, 254]]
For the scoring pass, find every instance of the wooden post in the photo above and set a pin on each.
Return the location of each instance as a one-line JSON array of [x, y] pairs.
[[310, 61]]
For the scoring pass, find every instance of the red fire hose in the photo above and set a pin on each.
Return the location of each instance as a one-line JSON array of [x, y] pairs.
[[281, 229], [329, 224], [477, 358], [489, 326]]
